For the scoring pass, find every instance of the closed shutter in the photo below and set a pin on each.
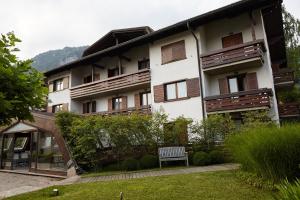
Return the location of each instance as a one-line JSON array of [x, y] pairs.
[[137, 100], [49, 109], [232, 40], [178, 50], [65, 107], [66, 82], [193, 87], [109, 104], [159, 93], [223, 86], [124, 103], [94, 106], [166, 54], [51, 85], [251, 81]]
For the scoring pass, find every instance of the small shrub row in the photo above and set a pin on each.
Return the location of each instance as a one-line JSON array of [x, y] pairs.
[[146, 162], [202, 158]]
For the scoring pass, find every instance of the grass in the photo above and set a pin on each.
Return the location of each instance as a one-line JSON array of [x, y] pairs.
[[210, 185]]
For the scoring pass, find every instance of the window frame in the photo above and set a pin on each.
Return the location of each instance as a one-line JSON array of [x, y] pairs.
[[149, 102], [172, 45], [61, 107], [176, 90], [140, 62], [240, 78], [120, 101], [116, 69], [55, 89]]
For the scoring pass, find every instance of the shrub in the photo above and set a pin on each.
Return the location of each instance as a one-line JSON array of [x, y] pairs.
[[130, 164], [148, 161], [216, 157], [201, 158], [271, 152], [288, 191]]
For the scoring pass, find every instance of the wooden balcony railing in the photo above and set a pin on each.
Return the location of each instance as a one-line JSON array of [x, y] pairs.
[[124, 81], [233, 54], [284, 77], [289, 110], [241, 100], [140, 110]]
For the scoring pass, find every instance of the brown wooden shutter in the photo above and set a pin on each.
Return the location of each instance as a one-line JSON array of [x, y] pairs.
[[94, 106], [166, 54], [65, 107], [251, 81], [193, 87], [178, 50], [223, 86], [50, 109], [109, 104], [232, 40], [137, 100], [159, 93], [66, 82], [124, 103], [51, 85]]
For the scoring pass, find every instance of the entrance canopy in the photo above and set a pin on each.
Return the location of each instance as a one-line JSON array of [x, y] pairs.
[[20, 127]]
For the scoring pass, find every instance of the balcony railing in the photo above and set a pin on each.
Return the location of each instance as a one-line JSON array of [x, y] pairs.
[[238, 101], [140, 110], [284, 77], [124, 81], [233, 54], [289, 110]]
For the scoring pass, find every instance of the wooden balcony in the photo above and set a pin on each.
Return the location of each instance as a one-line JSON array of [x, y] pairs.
[[238, 57], [136, 80], [284, 78], [141, 110], [289, 110], [246, 100]]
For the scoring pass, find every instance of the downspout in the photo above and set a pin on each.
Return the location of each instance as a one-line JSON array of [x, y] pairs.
[[199, 68]]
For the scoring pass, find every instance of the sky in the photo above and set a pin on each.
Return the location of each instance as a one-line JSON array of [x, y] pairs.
[[44, 25]]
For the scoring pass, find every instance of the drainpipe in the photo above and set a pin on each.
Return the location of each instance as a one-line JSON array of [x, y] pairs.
[[199, 68]]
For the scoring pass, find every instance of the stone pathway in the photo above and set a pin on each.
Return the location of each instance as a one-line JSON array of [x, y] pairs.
[[134, 175]]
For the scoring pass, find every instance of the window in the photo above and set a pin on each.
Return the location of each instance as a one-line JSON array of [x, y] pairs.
[[113, 72], [176, 90], [20, 143], [88, 79], [117, 103], [145, 99], [57, 108], [173, 52], [89, 107], [58, 85], [232, 40], [144, 64], [236, 83]]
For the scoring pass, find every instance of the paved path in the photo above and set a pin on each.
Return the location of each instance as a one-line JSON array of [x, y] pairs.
[[153, 173]]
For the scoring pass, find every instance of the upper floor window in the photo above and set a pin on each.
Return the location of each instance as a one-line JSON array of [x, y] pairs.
[[57, 108], [88, 79], [232, 40], [113, 72], [58, 85], [145, 98], [176, 90], [236, 83], [117, 103], [173, 52], [144, 64], [89, 107]]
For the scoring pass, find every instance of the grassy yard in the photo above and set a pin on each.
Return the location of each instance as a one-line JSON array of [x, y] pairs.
[[211, 185]]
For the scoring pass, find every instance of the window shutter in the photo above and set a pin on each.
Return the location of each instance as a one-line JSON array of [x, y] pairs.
[[223, 86], [66, 82], [51, 85], [137, 100], [65, 106], [94, 106], [49, 109], [193, 87], [109, 104], [159, 93], [232, 40], [124, 103], [251, 81], [166, 54], [178, 50]]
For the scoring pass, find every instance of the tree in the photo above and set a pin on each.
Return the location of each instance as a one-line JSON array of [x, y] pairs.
[[21, 86]]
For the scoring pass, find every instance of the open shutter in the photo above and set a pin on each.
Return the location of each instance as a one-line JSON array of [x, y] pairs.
[[51, 85], [65, 107], [109, 104], [223, 86], [137, 101], [124, 103], [66, 82], [159, 93], [193, 87], [251, 81]]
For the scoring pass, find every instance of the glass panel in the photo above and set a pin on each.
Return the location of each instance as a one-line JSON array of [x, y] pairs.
[[117, 103], [182, 89], [149, 98], [7, 151], [233, 86], [20, 143], [171, 91]]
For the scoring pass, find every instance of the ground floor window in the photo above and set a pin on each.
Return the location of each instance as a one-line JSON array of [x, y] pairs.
[[57, 108]]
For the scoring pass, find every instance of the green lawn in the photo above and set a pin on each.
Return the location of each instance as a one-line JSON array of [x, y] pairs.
[[211, 185]]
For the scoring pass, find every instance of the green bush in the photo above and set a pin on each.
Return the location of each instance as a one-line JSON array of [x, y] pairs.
[[288, 191], [270, 152], [201, 158], [216, 157], [130, 164], [148, 161]]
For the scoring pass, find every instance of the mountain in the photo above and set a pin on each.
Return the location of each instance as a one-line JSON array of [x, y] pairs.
[[54, 58]]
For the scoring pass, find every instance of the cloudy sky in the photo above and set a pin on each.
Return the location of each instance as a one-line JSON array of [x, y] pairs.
[[53, 24]]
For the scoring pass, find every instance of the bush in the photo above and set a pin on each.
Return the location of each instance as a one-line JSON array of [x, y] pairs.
[[148, 161], [201, 158], [216, 157], [270, 152], [288, 191], [130, 164]]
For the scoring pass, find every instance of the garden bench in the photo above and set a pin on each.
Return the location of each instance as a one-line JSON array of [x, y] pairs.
[[172, 154]]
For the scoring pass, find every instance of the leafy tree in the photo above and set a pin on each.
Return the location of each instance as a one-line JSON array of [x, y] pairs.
[[21, 86]]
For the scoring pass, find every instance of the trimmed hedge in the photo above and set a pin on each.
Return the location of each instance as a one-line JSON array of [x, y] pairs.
[[216, 157], [201, 158], [130, 164], [148, 161]]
